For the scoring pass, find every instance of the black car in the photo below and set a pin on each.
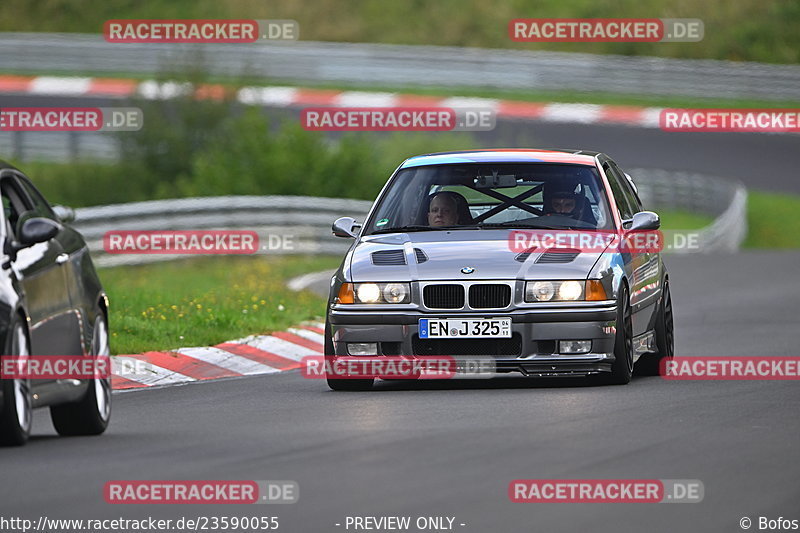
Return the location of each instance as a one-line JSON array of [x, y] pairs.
[[51, 304]]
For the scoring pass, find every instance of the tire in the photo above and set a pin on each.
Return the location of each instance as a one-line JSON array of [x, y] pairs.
[[622, 369], [345, 385], [650, 364], [16, 415], [90, 415]]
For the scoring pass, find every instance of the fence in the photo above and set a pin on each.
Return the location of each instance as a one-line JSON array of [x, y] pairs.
[[405, 65]]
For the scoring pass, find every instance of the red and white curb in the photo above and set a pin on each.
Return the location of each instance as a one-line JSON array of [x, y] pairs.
[[257, 354], [297, 97]]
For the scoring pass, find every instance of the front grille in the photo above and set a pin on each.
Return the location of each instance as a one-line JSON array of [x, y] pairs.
[[443, 296], [495, 347], [489, 296]]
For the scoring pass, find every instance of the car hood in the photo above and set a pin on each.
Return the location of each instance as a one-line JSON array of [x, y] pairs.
[[426, 256]]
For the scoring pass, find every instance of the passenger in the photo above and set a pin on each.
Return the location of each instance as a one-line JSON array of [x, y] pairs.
[[448, 208]]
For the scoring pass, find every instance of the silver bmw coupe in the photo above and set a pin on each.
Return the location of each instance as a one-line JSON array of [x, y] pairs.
[[542, 261]]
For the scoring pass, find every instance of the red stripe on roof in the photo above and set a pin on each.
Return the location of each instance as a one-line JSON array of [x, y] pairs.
[[186, 365], [112, 87], [302, 341], [259, 356], [10, 83]]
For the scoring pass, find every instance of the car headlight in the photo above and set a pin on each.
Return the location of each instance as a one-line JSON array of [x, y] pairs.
[[374, 293], [554, 291], [565, 291]]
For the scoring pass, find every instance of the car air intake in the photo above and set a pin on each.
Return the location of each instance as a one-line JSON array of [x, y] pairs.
[[389, 257], [489, 296], [561, 256], [443, 296], [421, 257]]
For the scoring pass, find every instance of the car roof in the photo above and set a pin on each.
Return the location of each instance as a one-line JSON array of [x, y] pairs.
[[510, 155]]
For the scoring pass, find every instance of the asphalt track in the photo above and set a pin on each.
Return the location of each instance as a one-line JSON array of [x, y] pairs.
[[451, 449], [759, 160]]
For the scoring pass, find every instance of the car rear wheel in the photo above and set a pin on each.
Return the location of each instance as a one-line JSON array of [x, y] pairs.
[[16, 415], [90, 415], [342, 384], [622, 369], [649, 364]]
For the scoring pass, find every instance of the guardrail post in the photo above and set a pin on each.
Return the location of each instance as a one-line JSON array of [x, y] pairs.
[[16, 146]]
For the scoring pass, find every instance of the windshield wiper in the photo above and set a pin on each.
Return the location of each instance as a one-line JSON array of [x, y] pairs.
[[403, 229]]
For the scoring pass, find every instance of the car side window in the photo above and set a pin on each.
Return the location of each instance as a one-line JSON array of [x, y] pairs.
[[627, 189], [626, 210], [40, 206], [13, 205]]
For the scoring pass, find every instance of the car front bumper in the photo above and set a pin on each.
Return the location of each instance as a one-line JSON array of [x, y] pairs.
[[535, 332]]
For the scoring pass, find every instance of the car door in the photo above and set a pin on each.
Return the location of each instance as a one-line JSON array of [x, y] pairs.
[[54, 327], [74, 253], [634, 260], [647, 272]]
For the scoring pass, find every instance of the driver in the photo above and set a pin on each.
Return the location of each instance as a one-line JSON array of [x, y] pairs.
[[561, 199]]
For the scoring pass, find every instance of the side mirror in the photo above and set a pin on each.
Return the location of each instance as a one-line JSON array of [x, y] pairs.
[[345, 227], [33, 231], [64, 213], [36, 230], [645, 220]]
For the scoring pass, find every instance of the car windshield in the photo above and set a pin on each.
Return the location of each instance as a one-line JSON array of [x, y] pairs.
[[489, 196]]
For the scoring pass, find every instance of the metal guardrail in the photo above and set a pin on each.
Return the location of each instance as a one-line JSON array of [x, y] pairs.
[[406, 65], [307, 220], [723, 199]]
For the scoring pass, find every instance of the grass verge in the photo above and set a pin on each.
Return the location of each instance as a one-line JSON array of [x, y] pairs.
[[205, 301], [773, 220], [683, 220]]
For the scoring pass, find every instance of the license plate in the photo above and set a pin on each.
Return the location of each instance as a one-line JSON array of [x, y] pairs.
[[464, 328]]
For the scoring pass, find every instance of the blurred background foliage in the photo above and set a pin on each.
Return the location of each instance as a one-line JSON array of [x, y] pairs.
[[212, 147], [740, 30]]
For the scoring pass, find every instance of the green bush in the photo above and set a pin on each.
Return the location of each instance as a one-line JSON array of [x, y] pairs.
[[215, 148]]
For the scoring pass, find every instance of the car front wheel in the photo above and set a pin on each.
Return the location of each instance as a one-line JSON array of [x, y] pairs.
[[650, 364], [622, 369]]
